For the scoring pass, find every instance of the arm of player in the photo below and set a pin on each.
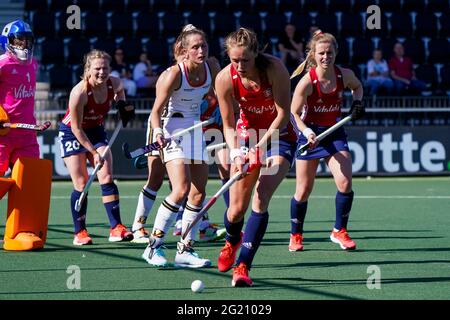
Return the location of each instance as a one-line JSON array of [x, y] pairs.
[[281, 90], [224, 91], [301, 93], [164, 89], [351, 81]]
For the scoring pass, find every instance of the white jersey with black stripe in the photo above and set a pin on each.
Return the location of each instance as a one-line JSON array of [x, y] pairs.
[[186, 100]]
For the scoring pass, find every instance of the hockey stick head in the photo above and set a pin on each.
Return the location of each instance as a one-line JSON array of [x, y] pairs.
[[45, 125], [126, 150], [140, 162]]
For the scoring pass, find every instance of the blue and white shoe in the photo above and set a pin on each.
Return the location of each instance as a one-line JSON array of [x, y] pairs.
[[155, 257], [188, 258]]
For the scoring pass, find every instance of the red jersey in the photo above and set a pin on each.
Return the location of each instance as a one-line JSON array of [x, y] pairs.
[[93, 113], [257, 108], [323, 109], [207, 113]]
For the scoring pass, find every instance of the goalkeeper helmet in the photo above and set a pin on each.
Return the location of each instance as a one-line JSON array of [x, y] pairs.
[[17, 38]]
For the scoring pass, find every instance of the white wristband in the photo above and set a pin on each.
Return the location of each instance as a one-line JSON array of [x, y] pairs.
[[307, 132], [236, 152], [157, 131]]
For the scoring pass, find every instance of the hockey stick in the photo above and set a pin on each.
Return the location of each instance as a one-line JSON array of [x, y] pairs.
[[247, 169], [83, 195], [36, 127], [302, 150], [154, 146], [216, 146]]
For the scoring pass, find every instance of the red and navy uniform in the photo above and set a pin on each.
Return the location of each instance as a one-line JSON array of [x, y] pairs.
[[323, 110], [257, 112], [93, 118]]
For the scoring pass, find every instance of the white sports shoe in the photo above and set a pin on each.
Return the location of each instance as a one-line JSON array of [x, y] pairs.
[[188, 258], [155, 257], [140, 236]]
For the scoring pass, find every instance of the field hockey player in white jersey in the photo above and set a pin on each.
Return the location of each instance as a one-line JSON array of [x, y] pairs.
[[177, 107]]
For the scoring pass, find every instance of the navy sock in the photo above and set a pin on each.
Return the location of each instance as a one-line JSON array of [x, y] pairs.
[[343, 206], [254, 232], [79, 218], [112, 207], [298, 213], [226, 194], [233, 230]]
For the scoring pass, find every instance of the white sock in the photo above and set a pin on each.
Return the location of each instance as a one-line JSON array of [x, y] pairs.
[[167, 212], [190, 213], [145, 203]]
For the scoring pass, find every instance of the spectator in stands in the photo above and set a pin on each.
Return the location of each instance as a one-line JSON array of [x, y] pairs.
[[120, 69], [143, 73], [402, 72], [378, 74], [290, 46]]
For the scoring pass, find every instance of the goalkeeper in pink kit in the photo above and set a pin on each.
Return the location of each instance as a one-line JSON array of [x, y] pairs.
[[17, 88]]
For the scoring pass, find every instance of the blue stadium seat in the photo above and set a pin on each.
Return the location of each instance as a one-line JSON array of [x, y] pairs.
[[95, 24], [341, 5], [121, 24], [265, 6], [240, 5], [60, 5], [165, 5], [112, 6], [77, 48], [302, 22], [43, 24], [104, 44], [275, 24], [250, 21], [439, 50], [401, 23], [387, 46], [52, 51], [201, 20], [428, 74], [319, 6], [362, 50], [415, 49], [445, 77], [173, 22], [89, 5], [158, 52], [224, 22], [426, 25], [352, 24], [389, 5], [328, 22], [36, 5], [60, 77], [343, 56], [138, 6], [147, 25], [414, 6], [132, 48], [289, 5], [439, 6], [190, 5], [445, 26]]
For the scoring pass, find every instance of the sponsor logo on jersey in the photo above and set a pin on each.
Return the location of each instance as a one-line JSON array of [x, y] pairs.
[[22, 92]]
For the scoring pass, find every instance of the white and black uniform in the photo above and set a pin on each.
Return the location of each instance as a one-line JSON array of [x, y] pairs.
[[183, 111]]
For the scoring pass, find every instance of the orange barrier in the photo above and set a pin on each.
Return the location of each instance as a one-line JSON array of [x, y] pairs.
[[28, 204]]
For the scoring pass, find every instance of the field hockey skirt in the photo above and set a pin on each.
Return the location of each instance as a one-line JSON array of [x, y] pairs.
[[70, 145]]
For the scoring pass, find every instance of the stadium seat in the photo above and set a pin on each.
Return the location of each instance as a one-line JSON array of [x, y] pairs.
[[341, 5], [121, 24], [147, 25], [105, 44], [265, 6], [319, 6], [52, 51], [302, 22], [224, 23], [36, 5], [444, 32], [43, 24], [439, 6], [89, 5], [138, 6], [190, 5], [275, 24], [387, 45], [362, 50], [415, 49], [343, 56], [361, 5], [289, 5], [327, 22], [439, 50], [428, 74], [401, 24], [158, 52], [240, 5], [132, 48], [77, 48], [445, 78], [414, 6], [60, 78], [389, 5], [251, 21], [96, 24], [200, 20], [173, 22], [426, 25], [117, 6], [60, 5], [352, 25], [165, 5]]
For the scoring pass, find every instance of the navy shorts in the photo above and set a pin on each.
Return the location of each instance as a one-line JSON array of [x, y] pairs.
[[333, 143], [283, 148], [70, 145]]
